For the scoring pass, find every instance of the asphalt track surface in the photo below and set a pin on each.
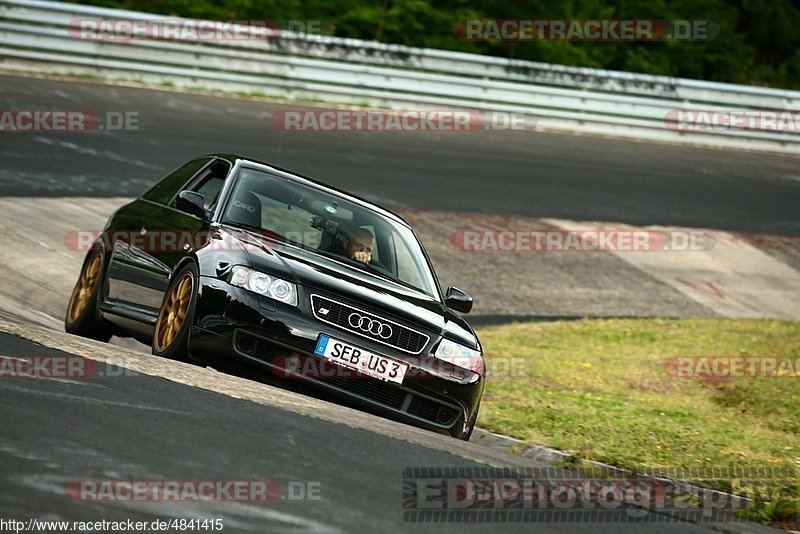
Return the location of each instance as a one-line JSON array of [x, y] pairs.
[[499, 172], [57, 431]]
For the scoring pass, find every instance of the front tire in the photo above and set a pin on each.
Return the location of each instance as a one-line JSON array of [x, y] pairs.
[[82, 318], [171, 335]]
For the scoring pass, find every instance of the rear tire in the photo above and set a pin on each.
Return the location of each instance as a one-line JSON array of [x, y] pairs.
[[171, 335], [82, 317]]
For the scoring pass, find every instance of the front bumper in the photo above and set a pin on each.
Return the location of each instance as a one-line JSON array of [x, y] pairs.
[[232, 324]]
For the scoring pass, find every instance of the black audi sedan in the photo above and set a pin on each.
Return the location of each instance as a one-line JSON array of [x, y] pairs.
[[229, 260]]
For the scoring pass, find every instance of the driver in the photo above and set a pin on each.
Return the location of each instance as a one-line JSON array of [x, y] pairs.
[[359, 245]]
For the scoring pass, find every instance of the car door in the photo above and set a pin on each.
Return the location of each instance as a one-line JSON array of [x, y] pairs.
[[178, 232], [135, 274]]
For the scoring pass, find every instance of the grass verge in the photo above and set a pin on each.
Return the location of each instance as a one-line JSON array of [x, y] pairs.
[[607, 390]]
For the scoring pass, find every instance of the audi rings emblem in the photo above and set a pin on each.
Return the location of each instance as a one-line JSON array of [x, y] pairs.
[[372, 326]]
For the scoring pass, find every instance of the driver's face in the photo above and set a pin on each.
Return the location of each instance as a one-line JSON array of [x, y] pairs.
[[362, 245], [360, 248]]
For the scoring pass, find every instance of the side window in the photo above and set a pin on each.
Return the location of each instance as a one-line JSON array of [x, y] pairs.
[[166, 189], [210, 191], [208, 183]]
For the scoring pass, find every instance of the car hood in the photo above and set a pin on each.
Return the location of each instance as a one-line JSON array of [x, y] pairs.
[[317, 271]]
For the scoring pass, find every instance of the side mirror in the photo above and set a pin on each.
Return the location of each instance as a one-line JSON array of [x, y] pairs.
[[457, 300], [191, 202]]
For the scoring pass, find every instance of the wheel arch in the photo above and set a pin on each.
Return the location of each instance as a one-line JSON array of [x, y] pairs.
[[186, 260]]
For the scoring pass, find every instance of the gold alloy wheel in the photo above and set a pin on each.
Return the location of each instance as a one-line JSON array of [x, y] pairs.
[[173, 312], [84, 288]]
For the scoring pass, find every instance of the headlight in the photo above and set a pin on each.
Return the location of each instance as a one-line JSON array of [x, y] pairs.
[[460, 356], [264, 284]]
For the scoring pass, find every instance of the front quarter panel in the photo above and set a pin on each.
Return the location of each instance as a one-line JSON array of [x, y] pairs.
[[221, 251]]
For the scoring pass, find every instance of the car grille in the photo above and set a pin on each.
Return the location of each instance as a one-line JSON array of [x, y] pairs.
[[427, 410], [388, 395], [397, 336]]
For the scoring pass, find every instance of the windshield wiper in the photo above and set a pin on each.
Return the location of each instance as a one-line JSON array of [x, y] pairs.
[[244, 226], [263, 233], [374, 270]]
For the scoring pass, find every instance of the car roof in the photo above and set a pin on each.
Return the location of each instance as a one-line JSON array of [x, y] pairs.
[[306, 180]]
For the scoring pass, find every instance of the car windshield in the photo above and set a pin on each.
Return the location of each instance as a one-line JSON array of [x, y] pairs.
[[315, 219]]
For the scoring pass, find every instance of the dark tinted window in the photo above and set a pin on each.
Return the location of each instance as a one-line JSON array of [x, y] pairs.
[[208, 183], [167, 188], [210, 191]]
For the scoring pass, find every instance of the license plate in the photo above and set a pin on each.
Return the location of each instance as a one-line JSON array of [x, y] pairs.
[[360, 360]]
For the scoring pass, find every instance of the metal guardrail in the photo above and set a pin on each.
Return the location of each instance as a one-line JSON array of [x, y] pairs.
[[34, 36]]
